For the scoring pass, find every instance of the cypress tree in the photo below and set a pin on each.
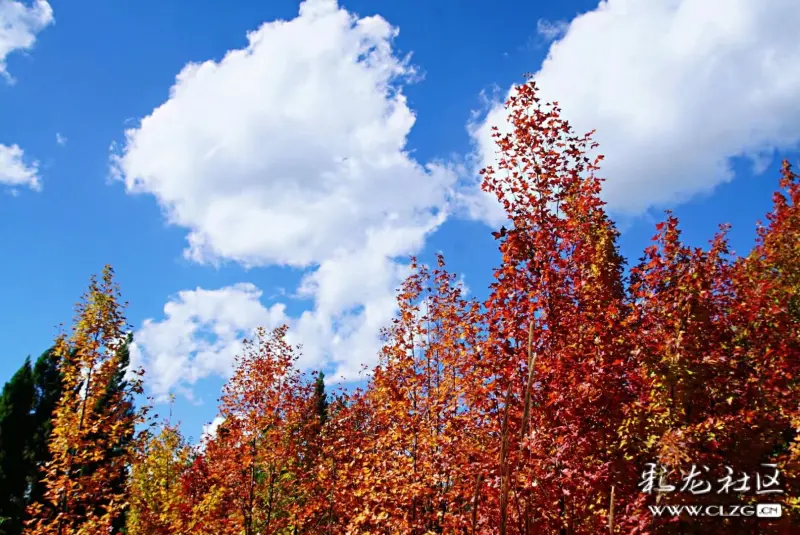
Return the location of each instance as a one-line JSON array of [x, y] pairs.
[[16, 421], [26, 409], [321, 398], [48, 389]]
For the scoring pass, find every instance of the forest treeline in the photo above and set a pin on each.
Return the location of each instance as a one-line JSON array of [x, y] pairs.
[[555, 406]]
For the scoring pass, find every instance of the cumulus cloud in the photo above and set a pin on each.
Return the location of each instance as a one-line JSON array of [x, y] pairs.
[[61, 139], [292, 151], [201, 330], [19, 26], [675, 88], [199, 336], [15, 171]]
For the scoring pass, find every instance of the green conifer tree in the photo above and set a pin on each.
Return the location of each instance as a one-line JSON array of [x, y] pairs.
[[16, 425], [47, 388], [321, 398], [26, 407]]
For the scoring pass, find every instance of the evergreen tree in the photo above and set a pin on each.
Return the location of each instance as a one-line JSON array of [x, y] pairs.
[[48, 388], [26, 409], [321, 398], [16, 405]]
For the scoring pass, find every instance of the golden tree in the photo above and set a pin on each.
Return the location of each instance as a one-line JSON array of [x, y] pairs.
[[90, 420], [157, 483]]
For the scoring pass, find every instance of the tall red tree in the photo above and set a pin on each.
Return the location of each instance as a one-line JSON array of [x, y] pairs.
[[558, 357], [253, 460]]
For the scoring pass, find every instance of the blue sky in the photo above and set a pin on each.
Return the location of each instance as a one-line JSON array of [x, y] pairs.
[[285, 177]]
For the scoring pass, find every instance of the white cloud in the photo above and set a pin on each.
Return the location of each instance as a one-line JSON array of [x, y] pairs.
[[19, 25], [550, 30], [61, 139], [674, 89], [201, 330], [462, 283], [199, 336], [292, 151], [209, 432], [15, 172]]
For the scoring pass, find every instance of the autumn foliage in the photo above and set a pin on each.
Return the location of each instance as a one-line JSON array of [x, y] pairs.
[[536, 411], [157, 495], [90, 443]]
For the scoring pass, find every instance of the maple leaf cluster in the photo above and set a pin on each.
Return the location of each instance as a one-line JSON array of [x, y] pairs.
[[535, 411]]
